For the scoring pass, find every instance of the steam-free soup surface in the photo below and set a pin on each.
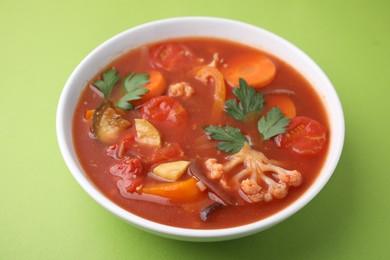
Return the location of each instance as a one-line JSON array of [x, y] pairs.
[[200, 133]]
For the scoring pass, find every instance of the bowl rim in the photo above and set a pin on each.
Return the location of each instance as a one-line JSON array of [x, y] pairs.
[[66, 144]]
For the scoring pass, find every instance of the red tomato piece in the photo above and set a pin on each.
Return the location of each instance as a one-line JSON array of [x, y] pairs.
[[126, 145], [168, 152], [119, 151], [304, 136], [111, 151], [134, 184], [164, 108], [127, 168], [171, 57]]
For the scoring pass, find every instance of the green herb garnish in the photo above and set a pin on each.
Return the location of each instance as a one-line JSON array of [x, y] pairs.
[[273, 124], [133, 84], [232, 138], [110, 78], [249, 101]]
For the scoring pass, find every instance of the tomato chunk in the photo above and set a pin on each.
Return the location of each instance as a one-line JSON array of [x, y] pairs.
[[304, 136], [124, 146], [164, 108], [130, 170], [168, 152], [127, 168], [171, 57]]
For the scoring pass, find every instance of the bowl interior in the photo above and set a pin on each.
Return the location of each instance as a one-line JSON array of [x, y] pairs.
[[198, 27]]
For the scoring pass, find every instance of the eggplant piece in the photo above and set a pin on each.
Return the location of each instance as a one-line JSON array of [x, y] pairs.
[[204, 214], [225, 197], [108, 123]]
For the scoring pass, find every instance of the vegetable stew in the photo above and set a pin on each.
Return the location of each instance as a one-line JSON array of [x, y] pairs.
[[200, 133]]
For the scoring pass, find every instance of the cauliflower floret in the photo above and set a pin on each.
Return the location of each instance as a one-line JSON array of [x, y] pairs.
[[181, 89], [277, 190], [261, 179], [292, 178], [215, 170], [252, 190]]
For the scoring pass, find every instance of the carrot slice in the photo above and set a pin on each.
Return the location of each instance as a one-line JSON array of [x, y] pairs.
[[88, 114], [186, 190], [283, 102], [257, 69], [156, 86], [204, 74]]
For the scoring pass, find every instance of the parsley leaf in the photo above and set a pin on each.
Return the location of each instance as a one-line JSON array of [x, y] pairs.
[[273, 124], [233, 108], [133, 85], [110, 78], [233, 139], [250, 101], [135, 81]]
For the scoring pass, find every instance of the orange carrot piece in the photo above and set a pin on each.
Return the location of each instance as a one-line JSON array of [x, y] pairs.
[[283, 102], [186, 190], [257, 69], [156, 86], [204, 74], [88, 114]]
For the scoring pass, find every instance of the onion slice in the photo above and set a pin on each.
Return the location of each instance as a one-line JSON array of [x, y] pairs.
[[218, 191]]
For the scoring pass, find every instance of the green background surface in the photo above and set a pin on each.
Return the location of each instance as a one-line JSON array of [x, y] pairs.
[[45, 214]]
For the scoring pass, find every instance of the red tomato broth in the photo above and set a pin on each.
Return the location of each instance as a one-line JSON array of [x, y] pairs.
[[96, 163]]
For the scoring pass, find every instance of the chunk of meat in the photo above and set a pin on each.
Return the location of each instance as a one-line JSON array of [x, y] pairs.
[[181, 89]]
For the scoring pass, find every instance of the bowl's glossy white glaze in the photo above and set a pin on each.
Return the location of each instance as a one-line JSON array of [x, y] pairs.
[[198, 27]]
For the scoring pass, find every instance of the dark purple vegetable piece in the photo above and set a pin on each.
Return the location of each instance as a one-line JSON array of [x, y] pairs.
[[225, 197], [204, 214]]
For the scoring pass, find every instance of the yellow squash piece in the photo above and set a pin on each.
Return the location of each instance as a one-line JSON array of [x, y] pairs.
[[171, 170], [147, 133]]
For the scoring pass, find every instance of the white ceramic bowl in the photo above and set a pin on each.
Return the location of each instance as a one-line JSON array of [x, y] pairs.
[[193, 27]]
